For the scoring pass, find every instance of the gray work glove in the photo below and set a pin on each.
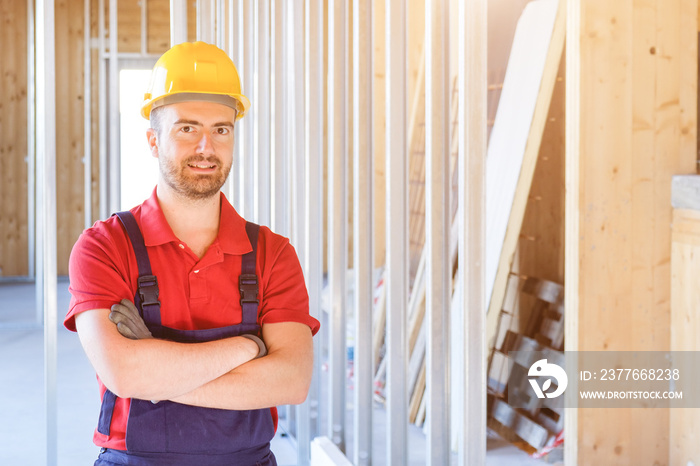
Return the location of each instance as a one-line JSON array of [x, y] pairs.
[[262, 349], [128, 321]]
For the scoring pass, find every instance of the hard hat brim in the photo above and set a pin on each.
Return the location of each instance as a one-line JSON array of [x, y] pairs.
[[238, 102]]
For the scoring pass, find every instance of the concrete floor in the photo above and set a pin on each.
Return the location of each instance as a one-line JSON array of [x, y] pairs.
[[22, 407]]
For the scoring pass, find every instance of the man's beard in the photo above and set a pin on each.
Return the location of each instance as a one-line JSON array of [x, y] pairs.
[[194, 186]]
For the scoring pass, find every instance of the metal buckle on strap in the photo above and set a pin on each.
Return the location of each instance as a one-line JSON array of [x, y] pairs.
[[248, 286], [148, 289]]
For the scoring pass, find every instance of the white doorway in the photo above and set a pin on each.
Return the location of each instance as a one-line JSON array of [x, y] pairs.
[[139, 170]]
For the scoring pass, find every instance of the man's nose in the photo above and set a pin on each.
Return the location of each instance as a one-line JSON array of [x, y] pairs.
[[204, 145]]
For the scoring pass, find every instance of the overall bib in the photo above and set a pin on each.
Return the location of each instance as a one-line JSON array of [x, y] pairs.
[[168, 433]]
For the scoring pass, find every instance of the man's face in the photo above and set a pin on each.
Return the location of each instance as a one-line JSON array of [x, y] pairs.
[[194, 147]]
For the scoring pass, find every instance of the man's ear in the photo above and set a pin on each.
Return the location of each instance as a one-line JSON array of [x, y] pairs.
[[152, 136]]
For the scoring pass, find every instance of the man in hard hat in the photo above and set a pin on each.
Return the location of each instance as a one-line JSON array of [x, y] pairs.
[[212, 323]]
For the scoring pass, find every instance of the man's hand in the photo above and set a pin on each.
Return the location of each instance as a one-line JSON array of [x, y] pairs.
[[128, 321]]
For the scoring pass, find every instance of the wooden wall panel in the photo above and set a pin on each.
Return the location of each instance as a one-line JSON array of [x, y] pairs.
[[129, 26], [191, 21], [13, 139], [69, 128], [636, 127], [158, 25], [685, 325]]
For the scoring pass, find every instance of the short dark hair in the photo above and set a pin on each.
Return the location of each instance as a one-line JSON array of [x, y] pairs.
[[156, 120]]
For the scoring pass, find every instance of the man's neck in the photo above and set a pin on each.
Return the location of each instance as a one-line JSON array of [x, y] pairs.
[[194, 221]]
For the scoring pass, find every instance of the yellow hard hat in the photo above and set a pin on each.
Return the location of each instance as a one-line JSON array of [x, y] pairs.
[[194, 71]]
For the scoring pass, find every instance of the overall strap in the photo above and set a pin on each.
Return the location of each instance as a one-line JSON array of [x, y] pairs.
[[149, 306], [147, 282], [248, 280]]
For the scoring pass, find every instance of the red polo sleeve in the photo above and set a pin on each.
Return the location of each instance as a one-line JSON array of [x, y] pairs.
[[283, 293], [96, 280]]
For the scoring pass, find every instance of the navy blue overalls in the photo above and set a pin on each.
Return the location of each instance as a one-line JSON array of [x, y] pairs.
[[168, 433]]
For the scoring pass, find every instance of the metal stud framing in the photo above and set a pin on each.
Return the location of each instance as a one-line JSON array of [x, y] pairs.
[[396, 233], [279, 189], [232, 188], [296, 92], [573, 130], [437, 230], [308, 413], [363, 250], [102, 109], [279, 49], [87, 117], [31, 149], [262, 114], [337, 218], [471, 242], [113, 159], [247, 155], [46, 210], [178, 22], [206, 21]]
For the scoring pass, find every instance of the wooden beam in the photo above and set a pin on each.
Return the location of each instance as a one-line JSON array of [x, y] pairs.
[[13, 140], [631, 125]]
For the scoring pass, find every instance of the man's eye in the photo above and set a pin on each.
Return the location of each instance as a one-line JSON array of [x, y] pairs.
[[186, 129], [223, 130]]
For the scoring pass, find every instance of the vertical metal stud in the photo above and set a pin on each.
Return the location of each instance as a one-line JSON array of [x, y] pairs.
[[471, 243], [262, 114], [396, 233], [102, 110], [308, 414], [314, 188], [220, 19], [437, 230], [363, 221], [46, 209], [178, 22], [303, 411], [31, 154], [337, 218], [113, 157], [574, 29], [279, 188], [296, 116], [232, 187], [206, 21], [87, 116], [248, 154]]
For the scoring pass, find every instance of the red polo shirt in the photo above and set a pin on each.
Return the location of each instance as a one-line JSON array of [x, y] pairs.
[[195, 293]]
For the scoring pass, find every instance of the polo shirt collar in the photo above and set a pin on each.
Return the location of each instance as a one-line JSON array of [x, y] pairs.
[[232, 237]]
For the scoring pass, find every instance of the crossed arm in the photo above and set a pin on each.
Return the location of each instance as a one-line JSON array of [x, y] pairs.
[[217, 374]]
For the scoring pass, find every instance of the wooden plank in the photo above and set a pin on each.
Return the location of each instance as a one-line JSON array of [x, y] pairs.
[[69, 130], [13, 139], [685, 324], [625, 140], [158, 26], [418, 395], [515, 139], [129, 29]]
